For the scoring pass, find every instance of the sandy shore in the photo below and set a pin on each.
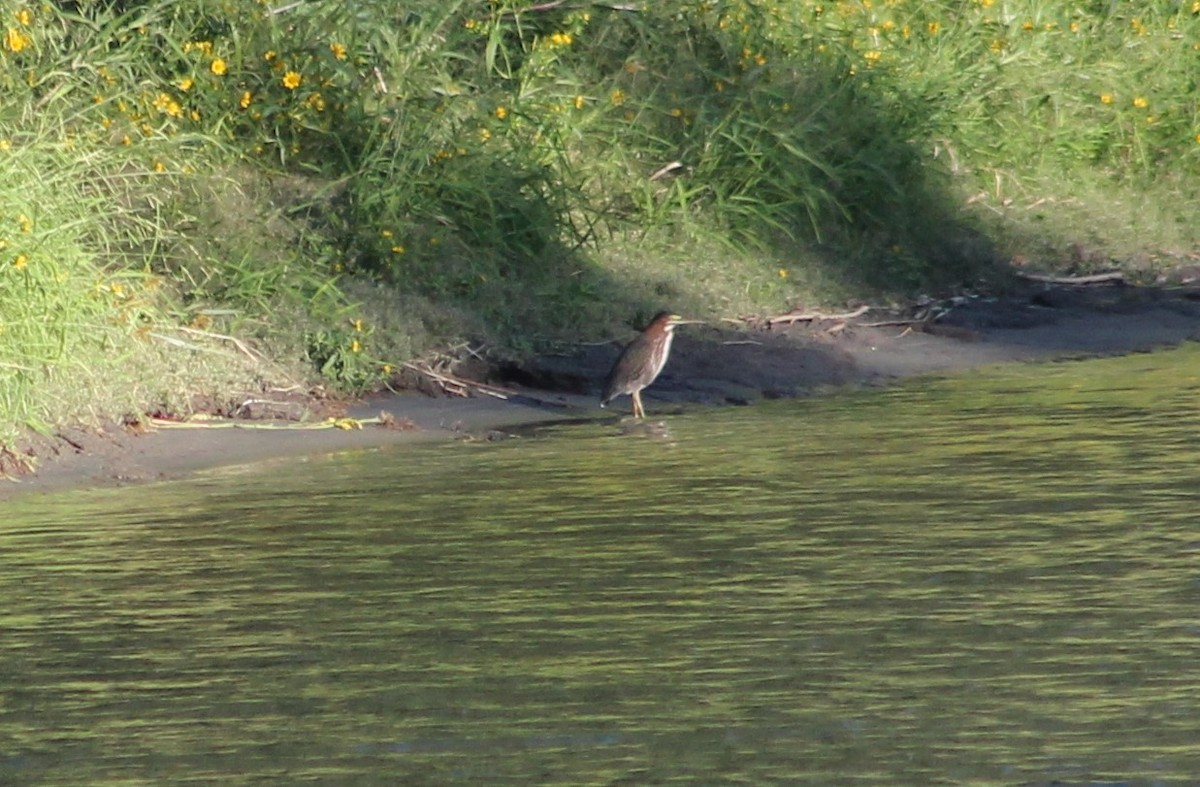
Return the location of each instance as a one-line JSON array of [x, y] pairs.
[[708, 366]]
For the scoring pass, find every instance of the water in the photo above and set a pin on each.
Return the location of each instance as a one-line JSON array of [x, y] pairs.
[[994, 579]]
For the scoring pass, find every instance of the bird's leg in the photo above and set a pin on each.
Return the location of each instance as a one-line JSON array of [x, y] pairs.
[[638, 410]]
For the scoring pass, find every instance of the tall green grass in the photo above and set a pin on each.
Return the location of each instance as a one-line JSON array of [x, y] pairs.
[[514, 171]]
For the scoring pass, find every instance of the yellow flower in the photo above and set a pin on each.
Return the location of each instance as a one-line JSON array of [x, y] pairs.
[[355, 346], [1106, 98], [316, 102], [617, 97], [760, 59], [24, 17], [186, 83], [167, 105], [292, 80], [25, 222], [247, 97], [386, 233], [872, 57], [1198, 139], [484, 135], [338, 50], [357, 325], [1140, 102], [160, 167], [5, 144], [561, 39], [20, 261], [501, 112], [194, 115], [783, 274], [580, 101], [15, 40], [933, 28], [398, 248], [218, 67]]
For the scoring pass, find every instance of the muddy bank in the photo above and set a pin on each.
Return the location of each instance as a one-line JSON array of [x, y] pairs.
[[710, 365]]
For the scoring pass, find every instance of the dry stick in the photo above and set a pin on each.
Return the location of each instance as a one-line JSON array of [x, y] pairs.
[[891, 323], [812, 316], [449, 380], [1097, 278], [236, 342]]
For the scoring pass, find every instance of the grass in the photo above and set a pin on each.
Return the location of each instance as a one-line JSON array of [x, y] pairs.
[[345, 186]]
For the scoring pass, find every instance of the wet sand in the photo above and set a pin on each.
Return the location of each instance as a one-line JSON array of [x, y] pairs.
[[709, 366]]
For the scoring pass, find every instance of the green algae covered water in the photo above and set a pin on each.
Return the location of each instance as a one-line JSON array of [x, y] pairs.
[[994, 578]]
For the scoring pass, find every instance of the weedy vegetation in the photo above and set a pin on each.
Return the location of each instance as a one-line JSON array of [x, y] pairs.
[[197, 199]]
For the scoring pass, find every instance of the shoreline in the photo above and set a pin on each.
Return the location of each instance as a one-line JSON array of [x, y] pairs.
[[708, 366]]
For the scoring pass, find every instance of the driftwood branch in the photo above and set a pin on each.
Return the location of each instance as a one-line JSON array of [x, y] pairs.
[[1096, 278], [461, 386], [814, 316]]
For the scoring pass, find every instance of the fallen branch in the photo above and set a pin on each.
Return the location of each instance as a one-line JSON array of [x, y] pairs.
[[892, 323], [460, 386], [1096, 278], [238, 343], [814, 316]]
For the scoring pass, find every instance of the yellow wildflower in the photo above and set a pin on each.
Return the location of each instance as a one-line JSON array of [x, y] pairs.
[[292, 80], [783, 274], [20, 262], [933, 28], [617, 97], [247, 97], [5, 144], [218, 67], [1106, 98], [25, 222], [580, 102], [316, 102], [338, 50], [386, 233], [167, 105], [186, 83], [398, 248], [501, 112], [160, 167], [1140, 102], [484, 135], [15, 40], [355, 346], [24, 17], [357, 325]]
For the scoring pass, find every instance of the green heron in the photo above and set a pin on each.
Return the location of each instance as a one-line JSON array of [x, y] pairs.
[[641, 361]]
